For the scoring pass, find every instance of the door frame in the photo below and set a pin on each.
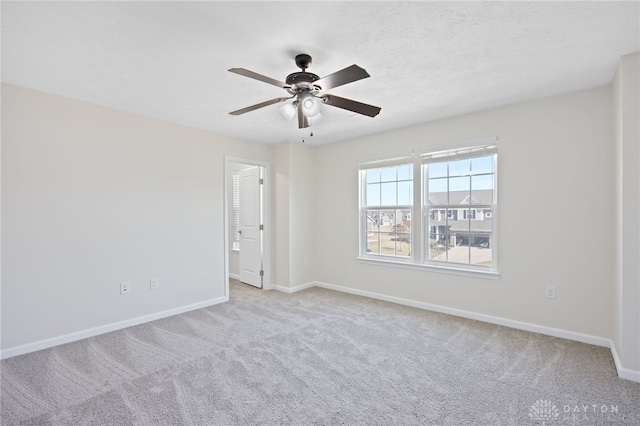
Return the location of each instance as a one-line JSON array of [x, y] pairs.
[[266, 214]]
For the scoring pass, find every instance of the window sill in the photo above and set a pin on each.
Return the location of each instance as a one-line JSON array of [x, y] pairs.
[[492, 275]]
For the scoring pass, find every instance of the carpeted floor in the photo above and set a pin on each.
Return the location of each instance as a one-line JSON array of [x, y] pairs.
[[316, 357]]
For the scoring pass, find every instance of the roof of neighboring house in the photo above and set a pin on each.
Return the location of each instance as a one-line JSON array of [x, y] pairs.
[[481, 196]]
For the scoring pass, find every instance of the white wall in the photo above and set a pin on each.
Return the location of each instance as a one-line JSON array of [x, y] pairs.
[[626, 331], [556, 184], [302, 214], [92, 197], [280, 213], [295, 214]]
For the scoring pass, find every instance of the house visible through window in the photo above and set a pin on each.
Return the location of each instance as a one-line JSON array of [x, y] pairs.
[[459, 198]]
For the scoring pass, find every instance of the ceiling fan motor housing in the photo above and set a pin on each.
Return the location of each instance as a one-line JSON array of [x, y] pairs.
[[302, 81], [299, 81]]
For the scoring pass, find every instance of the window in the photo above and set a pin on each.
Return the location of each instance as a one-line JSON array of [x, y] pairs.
[[469, 214], [458, 198], [460, 180], [236, 211], [386, 207]]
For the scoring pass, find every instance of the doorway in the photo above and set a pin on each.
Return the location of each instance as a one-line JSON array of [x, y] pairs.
[[247, 222]]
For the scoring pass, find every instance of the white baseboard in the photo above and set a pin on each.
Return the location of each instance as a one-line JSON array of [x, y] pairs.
[[90, 332], [623, 373], [294, 289], [234, 276], [549, 331]]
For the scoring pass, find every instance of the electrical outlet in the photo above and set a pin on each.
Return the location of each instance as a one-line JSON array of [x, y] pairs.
[[153, 284], [550, 292], [124, 287]]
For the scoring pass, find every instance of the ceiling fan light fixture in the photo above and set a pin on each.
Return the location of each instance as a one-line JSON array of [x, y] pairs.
[[288, 110], [315, 119], [311, 106]]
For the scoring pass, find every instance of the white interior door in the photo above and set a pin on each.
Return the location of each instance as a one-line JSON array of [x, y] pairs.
[[250, 259]]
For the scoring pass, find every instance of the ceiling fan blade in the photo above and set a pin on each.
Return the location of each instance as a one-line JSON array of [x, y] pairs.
[[260, 77], [355, 106], [344, 76], [256, 106], [302, 119]]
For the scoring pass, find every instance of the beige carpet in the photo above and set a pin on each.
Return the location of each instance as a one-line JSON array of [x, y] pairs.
[[316, 357]]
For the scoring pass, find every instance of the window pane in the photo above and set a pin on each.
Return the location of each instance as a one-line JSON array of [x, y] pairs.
[[438, 246], [488, 213], [373, 220], [405, 193], [386, 220], [373, 244], [373, 175], [405, 172], [437, 170], [482, 165], [387, 226], [402, 233], [438, 191], [482, 182], [388, 194], [460, 222], [483, 221], [459, 184], [459, 167], [373, 194], [388, 174], [438, 241], [480, 250], [469, 214], [460, 252], [435, 218], [387, 247]]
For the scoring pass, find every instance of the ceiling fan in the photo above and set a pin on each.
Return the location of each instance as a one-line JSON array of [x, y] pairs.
[[307, 91]]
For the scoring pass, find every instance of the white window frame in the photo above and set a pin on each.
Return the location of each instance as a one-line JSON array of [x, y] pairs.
[[375, 163], [420, 211], [473, 149]]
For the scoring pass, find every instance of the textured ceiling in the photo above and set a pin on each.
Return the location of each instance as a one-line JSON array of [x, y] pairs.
[[427, 60]]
